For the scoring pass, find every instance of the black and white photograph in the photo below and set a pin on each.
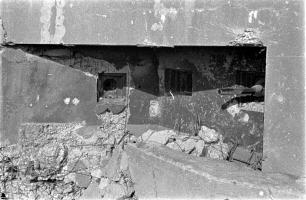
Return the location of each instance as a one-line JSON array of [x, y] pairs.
[[152, 99]]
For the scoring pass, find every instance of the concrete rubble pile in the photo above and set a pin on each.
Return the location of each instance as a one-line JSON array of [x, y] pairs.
[[208, 142], [67, 161], [253, 106], [113, 124]]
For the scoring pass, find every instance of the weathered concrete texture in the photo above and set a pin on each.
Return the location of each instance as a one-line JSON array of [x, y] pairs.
[[38, 90], [151, 22], [278, 24], [159, 172], [284, 139], [61, 161]]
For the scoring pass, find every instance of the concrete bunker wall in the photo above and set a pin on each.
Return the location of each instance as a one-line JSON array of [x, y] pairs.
[[39, 90], [59, 84], [278, 24]]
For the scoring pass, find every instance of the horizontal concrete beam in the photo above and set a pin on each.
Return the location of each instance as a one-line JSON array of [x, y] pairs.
[[153, 22]]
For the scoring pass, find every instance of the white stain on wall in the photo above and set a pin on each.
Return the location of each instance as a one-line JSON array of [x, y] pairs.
[[59, 22], [154, 109], [45, 19], [75, 101], [157, 27], [67, 100], [252, 16], [161, 12]]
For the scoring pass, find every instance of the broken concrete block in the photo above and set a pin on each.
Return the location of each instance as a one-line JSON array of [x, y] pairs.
[[208, 135], [233, 109], [175, 145], [188, 145], [87, 131], [82, 177], [146, 135], [103, 183], [200, 145], [158, 136], [97, 173], [92, 192], [124, 163], [113, 191], [70, 178], [111, 168], [218, 151]]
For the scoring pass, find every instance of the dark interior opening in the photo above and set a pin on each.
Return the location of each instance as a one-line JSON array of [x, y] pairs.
[[178, 81], [249, 78], [111, 85]]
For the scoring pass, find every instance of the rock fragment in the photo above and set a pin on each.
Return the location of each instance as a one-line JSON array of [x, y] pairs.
[[157, 136], [208, 135], [217, 151]]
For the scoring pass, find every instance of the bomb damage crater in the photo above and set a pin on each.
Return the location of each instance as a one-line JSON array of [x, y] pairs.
[[133, 122]]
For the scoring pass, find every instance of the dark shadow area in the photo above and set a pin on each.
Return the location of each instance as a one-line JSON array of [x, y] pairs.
[[111, 85], [210, 67]]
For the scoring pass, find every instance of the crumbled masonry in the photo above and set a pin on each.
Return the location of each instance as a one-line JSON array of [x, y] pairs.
[[75, 161], [248, 38], [66, 160], [207, 143]]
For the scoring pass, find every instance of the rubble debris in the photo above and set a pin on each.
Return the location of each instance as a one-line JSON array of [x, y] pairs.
[[156, 136], [253, 106], [113, 124], [113, 191], [208, 135], [92, 192], [207, 143], [218, 151], [67, 161]]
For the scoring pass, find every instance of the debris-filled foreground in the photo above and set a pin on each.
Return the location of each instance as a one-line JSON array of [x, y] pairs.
[[71, 161]]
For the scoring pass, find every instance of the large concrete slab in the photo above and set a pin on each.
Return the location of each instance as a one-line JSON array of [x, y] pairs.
[[34, 89], [152, 22], [159, 172]]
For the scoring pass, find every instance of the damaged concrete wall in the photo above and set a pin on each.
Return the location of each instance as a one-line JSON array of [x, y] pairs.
[[211, 68], [39, 90], [153, 22], [279, 25]]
